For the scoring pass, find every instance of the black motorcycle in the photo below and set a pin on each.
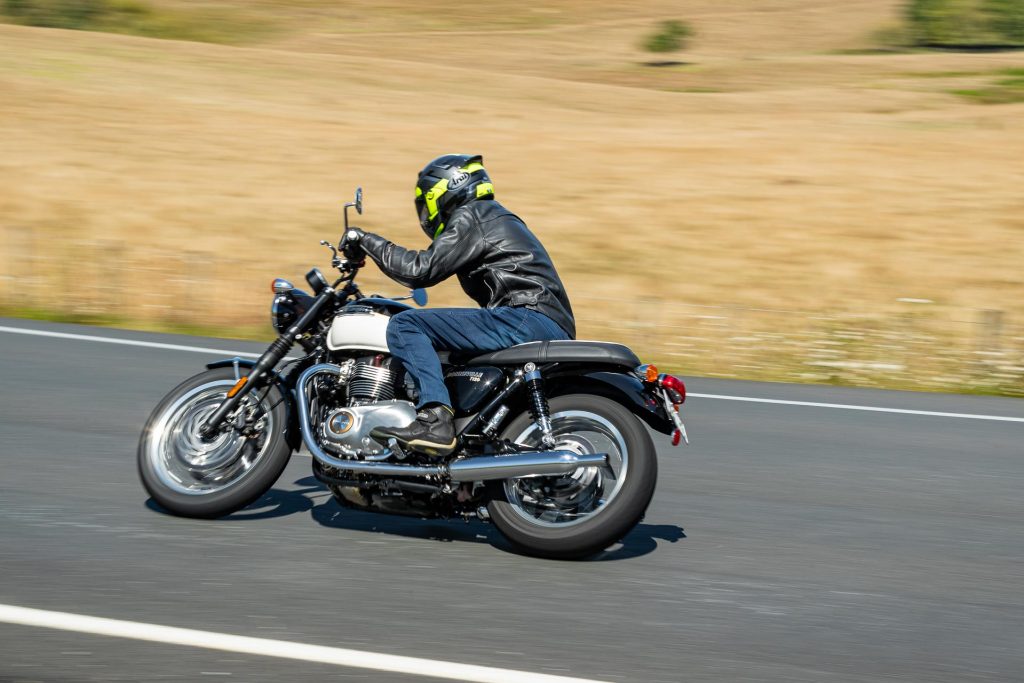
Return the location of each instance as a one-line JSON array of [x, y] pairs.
[[552, 443]]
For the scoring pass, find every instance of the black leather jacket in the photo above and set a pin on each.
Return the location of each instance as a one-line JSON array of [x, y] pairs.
[[498, 261]]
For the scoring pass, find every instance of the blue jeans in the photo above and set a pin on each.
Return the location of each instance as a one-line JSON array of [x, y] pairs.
[[415, 337]]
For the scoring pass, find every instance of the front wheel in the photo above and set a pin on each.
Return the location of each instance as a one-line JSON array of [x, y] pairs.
[[581, 513], [193, 477]]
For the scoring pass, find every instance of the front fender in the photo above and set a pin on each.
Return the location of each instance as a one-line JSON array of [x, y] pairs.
[[622, 388], [292, 434]]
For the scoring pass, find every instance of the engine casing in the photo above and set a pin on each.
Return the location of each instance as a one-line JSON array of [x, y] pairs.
[[347, 430]]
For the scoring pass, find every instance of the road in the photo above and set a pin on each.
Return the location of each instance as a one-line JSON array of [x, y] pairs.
[[787, 543]]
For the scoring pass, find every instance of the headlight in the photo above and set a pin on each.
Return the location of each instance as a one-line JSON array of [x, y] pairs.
[[282, 312]]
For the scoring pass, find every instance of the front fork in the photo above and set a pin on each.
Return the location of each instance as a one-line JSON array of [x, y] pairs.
[[261, 372]]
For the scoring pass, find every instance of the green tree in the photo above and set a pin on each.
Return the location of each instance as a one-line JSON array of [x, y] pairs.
[[77, 14], [670, 36], [1006, 19], [937, 22]]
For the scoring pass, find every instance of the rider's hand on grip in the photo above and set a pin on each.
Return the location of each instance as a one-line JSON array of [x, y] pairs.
[[350, 245]]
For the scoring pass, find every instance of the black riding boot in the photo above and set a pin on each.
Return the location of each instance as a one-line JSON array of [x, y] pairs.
[[433, 432]]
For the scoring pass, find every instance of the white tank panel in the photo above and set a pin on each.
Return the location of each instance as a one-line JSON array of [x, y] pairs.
[[359, 331]]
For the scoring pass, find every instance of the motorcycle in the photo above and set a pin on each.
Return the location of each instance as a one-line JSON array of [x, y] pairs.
[[552, 445]]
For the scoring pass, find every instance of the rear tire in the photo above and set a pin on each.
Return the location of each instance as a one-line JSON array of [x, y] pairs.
[[571, 522], [191, 478]]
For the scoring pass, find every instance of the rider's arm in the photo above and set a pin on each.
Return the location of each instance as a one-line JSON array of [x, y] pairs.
[[459, 244]]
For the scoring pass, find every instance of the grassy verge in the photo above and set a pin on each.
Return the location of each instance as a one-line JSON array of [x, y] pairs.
[[250, 333], [1009, 89], [791, 368]]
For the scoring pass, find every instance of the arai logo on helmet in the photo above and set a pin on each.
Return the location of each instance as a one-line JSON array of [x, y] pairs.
[[458, 181]]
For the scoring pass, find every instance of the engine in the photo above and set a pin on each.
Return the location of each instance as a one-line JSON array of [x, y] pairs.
[[370, 383], [359, 399]]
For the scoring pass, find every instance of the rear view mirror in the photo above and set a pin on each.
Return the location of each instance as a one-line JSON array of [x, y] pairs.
[[419, 296], [358, 204]]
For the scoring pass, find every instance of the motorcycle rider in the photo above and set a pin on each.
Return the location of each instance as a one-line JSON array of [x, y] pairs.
[[499, 263]]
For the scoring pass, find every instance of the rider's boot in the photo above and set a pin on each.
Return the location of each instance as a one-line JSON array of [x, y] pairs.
[[433, 432]]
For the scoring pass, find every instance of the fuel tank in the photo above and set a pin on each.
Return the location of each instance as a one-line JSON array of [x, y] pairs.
[[359, 327]]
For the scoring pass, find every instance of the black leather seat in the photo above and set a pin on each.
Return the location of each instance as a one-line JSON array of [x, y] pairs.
[[567, 351]]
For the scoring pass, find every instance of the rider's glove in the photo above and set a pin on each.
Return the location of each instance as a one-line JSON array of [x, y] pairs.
[[350, 246]]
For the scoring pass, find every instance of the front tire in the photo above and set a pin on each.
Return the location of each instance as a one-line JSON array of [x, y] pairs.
[[577, 515], [193, 478]]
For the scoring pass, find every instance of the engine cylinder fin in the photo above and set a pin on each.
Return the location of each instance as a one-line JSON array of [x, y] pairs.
[[369, 382]]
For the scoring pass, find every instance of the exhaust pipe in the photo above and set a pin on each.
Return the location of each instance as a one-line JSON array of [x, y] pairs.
[[547, 463], [481, 468]]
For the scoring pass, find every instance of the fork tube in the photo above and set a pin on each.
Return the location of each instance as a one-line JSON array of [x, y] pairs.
[[270, 358]]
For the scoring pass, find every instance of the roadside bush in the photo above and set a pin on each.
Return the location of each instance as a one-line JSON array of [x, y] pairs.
[[135, 17], [965, 23], [671, 36], [1006, 19], [73, 14]]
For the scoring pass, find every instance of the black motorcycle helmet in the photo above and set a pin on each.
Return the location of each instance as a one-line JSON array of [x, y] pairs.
[[445, 184]]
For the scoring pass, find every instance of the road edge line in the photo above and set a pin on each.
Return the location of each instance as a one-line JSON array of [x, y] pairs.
[[282, 649]]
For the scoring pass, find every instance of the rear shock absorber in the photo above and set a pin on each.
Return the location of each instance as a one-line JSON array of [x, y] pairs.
[[539, 410]]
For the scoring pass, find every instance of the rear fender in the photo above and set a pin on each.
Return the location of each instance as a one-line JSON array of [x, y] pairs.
[[622, 388], [292, 435]]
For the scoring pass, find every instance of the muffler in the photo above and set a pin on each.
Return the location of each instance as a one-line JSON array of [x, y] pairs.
[[544, 464], [480, 468]]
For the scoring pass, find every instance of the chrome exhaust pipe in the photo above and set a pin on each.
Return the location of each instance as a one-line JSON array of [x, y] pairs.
[[480, 468], [386, 469], [544, 464]]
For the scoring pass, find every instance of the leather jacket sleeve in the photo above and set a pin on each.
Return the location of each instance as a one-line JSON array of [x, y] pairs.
[[458, 245]]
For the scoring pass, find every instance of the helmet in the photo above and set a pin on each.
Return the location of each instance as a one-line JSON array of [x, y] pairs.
[[445, 184]]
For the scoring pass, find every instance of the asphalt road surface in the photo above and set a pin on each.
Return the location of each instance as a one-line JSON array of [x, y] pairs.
[[787, 543]]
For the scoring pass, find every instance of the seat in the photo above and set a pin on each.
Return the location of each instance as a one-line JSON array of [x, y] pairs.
[[560, 351]]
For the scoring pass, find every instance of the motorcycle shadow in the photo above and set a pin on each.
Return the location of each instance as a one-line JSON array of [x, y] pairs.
[[314, 498]]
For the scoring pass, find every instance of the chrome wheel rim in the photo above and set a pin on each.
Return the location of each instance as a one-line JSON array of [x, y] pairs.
[[184, 462], [573, 498]]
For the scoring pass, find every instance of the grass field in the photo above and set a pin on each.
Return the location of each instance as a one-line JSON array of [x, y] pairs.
[[778, 165]]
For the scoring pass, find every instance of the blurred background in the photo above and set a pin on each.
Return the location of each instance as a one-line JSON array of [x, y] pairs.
[[795, 190]]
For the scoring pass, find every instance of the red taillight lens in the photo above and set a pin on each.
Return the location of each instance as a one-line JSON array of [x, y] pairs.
[[673, 384]]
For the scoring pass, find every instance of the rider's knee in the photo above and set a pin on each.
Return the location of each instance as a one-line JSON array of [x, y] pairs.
[[401, 324]]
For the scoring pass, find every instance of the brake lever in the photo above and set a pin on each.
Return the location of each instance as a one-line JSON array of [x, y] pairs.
[[337, 262], [334, 250]]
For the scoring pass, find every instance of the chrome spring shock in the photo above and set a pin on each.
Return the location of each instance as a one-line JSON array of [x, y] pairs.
[[539, 410]]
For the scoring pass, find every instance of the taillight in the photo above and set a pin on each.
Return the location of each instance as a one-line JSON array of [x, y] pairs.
[[675, 387]]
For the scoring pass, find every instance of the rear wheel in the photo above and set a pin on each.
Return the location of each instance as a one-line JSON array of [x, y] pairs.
[[195, 478], [581, 513]]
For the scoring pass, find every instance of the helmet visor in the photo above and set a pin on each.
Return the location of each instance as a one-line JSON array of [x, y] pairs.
[[424, 214]]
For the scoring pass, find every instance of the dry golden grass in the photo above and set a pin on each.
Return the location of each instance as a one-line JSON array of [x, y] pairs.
[[767, 170]]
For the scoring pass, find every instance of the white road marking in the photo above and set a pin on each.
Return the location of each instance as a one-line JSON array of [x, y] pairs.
[[64, 621], [127, 342], [722, 397], [873, 409]]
